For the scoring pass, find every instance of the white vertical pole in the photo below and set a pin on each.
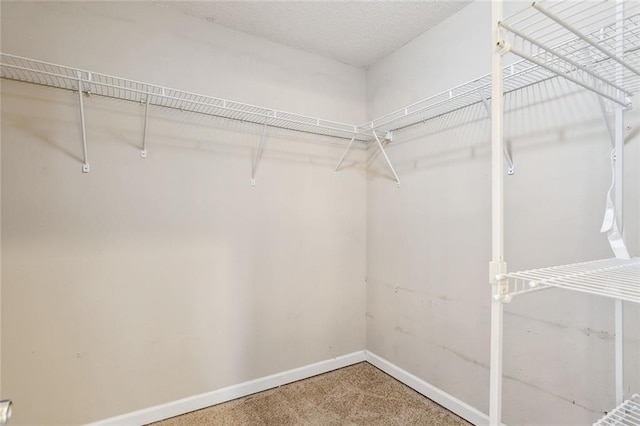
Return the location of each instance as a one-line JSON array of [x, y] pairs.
[[618, 197], [497, 218]]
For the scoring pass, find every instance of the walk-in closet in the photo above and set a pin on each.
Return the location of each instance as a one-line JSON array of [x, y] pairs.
[[320, 212]]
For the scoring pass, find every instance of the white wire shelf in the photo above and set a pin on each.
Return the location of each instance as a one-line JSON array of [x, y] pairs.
[[59, 76], [595, 44], [626, 414], [517, 76], [615, 278], [529, 34]]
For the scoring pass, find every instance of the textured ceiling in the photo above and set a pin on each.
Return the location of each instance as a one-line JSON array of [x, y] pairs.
[[354, 32]]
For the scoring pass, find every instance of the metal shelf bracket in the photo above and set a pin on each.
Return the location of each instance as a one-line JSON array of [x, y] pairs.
[[85, 163], [499, 282], [508, 158], [503, 47], [256, 160], [395, 175], [335, 171], [143, 152]]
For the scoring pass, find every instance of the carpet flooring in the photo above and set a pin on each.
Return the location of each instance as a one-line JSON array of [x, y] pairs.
[[359, 394]]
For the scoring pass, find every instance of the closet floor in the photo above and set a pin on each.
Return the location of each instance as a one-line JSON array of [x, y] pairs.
[[359, 394]]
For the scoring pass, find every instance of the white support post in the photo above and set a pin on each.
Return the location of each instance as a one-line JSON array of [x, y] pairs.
[[395, 175], [498, 265], [258, 155], [85, 164], [618, 197], [618, 202], [345, 154], [619, 350], [143, 153]]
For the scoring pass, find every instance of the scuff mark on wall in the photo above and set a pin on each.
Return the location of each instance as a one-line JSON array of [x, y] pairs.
[[515, 379], [403, 331], [394, 286], [587, 331]]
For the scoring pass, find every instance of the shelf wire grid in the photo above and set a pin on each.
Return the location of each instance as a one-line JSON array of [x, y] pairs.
[[615, 278], [595, 44], [588, 67], [626, 414], [59, 76], [517, 76]]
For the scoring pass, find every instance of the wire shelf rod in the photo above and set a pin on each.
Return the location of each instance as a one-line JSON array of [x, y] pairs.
[[563, 57], [579, 34], [591, 24], [574, 80], [594, 265], [24, 69], [616, 278], [626, 414]]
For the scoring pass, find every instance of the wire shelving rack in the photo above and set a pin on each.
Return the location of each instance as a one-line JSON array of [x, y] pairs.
[[581, 42], [615, 278], [63, 77], [624, 415], [517, 76], [595, 45]]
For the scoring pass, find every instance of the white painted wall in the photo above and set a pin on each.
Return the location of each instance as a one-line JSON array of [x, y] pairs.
[[428, 242], [150, 280], [146, 281]]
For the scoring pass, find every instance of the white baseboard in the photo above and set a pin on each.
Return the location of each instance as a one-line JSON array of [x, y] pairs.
[[435, 394], [186, 405]]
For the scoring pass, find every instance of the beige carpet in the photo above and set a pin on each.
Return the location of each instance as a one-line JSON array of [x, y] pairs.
[[356, 395]]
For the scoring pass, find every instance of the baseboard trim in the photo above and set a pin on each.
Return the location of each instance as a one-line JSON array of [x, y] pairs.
[[185, 405], [435, 394]]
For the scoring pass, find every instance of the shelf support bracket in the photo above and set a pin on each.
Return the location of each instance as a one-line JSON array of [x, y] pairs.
[[609, 119], [508, 158], [85, 163], [143, 153], [345, 154], [256, 160], [395, 175]]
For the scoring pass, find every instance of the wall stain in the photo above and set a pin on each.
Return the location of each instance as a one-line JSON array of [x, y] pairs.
[[403, 331], [395, 287], [562, 398], [601, 334], [515, 379]]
